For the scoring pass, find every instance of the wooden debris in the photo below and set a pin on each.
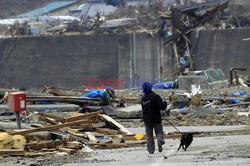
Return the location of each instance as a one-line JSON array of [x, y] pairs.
[[83, 116], [49, 128], [48, 120], [116, 124], [35, 154], [12, 152], [91, 137], [86, 126], [44, 144], [64, 99], [75, 132], [39, 136], [49, 150], [100, 131], [97, 134], [98, 125], [118, 145], [107, 131], [51, 116], [73, 145], [73, 137], [72, 114], [67, 150]]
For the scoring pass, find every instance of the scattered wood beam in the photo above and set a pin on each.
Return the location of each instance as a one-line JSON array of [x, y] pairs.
[[116, 124], [49, 128], [83, 116]]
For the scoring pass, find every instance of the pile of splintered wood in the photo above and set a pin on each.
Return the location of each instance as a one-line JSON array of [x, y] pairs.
[[72, 133]]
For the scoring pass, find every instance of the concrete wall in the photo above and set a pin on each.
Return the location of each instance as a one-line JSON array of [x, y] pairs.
[[67, 61], [222, 49]]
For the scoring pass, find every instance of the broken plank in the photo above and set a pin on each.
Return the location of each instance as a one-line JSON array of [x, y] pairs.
[[117, 145], [116, 124], [74, 137], [83, 116], [98, 134], [35, 154], [107, 131], [75, 132], [12, 152], [73, 145], [44, 144], [57, 118], [108, 145], [49, 128], [49, 150], [72, 114], [98, 125], [82, 127], [67, 150], [48, 120], [91, 137]]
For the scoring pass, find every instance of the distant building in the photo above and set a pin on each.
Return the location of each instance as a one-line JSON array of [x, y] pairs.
[[93, 6], [78, 9], [56, 8]]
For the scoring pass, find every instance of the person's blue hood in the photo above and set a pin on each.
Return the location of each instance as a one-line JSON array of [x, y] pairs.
[[146, 87]]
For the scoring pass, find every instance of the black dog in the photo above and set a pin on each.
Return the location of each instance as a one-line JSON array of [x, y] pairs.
[[186, 140]]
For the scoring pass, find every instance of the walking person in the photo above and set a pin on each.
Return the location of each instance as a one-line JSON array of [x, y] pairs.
[[151, 105]]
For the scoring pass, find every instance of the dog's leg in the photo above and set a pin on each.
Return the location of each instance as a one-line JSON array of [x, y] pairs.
[[179, 147]]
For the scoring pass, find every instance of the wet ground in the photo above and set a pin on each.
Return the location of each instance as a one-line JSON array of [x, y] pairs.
[[221, 150], [220, 145]]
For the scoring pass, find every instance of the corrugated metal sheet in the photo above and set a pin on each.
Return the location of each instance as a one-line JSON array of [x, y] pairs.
[[48, 8]]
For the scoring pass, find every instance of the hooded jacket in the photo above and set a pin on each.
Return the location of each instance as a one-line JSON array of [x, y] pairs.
[[151, 105]]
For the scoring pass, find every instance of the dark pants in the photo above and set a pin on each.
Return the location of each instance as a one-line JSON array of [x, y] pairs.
[[150, 137]]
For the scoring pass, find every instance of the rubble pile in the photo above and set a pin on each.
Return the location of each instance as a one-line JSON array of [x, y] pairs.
[[228, 118], [179, 119], [148, 18], [135, 94], [91, 126], [217, 107], [69, 135]]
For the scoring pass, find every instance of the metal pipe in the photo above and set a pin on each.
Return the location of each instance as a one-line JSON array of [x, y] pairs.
[[18, 120]]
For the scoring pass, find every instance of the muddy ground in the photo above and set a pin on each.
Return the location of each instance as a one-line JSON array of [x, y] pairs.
[[222, 150]]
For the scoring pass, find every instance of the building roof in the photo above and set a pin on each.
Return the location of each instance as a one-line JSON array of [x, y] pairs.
[[48, 8], [94, 6]]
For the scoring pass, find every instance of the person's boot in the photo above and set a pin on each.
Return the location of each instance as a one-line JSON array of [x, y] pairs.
[[159, 146], [150, 155]]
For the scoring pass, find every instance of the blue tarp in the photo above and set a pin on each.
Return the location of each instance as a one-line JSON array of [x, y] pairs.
[[93, 93], [164, 85], [182, 61], [237, 94]]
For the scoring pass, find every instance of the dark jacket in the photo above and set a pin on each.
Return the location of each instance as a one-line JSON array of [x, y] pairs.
[[151, 105]]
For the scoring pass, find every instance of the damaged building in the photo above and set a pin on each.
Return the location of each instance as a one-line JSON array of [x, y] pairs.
[[172, 43], [72, 74]]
